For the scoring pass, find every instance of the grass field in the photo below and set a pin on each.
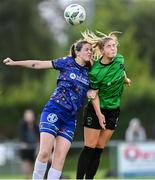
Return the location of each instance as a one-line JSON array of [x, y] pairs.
[[67, 175]]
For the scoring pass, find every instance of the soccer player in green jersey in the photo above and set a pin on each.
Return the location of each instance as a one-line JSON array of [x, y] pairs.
[[107, 77]]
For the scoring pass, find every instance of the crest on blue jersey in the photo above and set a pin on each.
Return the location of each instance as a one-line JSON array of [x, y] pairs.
[[72, 76], [52, 118]]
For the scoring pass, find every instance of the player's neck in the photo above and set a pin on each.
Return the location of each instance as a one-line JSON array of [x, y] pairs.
[[80, 61], [106, 60]]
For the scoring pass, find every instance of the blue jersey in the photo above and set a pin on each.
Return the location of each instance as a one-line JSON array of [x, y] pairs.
[[72, 84]]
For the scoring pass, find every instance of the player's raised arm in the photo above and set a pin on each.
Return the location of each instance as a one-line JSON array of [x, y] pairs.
[[34, 64]]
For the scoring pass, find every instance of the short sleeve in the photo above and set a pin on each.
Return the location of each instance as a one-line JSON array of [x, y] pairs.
[[59, 63], [120, 59], [94, 84]]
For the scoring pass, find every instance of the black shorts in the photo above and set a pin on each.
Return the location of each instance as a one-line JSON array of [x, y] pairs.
[[28, 154], [91, 119]]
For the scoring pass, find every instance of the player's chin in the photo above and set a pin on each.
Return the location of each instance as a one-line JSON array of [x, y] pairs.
[[113, 54], [87, 59]]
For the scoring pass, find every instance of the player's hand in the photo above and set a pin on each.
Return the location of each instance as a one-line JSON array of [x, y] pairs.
[[8, 61], [102, 120], [91, 94], [128, 81]]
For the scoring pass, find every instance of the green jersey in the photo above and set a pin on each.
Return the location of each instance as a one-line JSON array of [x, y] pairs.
[[109, 80]]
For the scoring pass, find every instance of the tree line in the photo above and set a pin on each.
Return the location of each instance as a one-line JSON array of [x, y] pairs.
[[24, 34]]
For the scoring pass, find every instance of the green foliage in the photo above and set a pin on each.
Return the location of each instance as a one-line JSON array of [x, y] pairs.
[[24, 35], [23, 30], [144, 19]]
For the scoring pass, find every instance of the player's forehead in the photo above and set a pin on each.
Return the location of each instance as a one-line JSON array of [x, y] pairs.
[[109, 42], [87, 46]]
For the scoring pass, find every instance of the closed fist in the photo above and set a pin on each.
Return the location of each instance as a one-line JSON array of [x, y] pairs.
[[8, 61]]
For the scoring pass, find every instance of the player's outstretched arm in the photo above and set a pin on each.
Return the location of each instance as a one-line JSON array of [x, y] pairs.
[[34, 64]]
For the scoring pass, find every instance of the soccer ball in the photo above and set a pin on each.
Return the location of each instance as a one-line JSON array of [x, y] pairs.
[[74, 14]]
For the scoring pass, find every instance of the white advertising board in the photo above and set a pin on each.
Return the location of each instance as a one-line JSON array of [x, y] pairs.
[[2, 155], [136, 159]]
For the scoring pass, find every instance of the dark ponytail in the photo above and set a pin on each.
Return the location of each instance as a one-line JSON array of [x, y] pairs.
[[72, 51]]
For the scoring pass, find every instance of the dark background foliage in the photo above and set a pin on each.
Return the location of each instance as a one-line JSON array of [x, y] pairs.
[[25, 34]]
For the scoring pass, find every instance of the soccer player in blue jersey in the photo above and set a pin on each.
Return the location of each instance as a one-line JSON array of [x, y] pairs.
[[58, 118]]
